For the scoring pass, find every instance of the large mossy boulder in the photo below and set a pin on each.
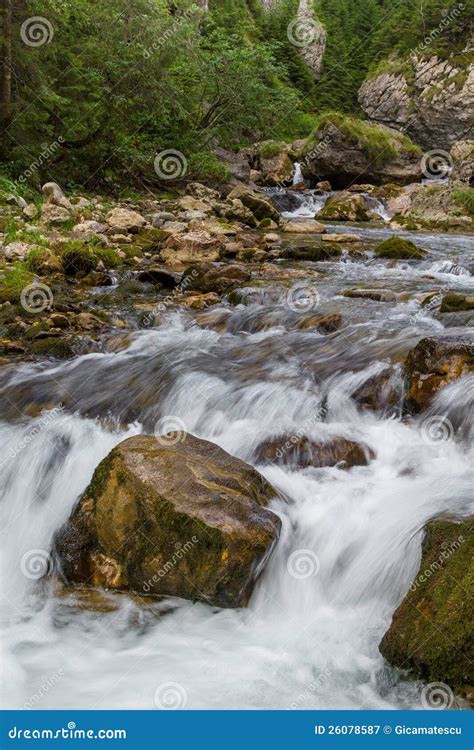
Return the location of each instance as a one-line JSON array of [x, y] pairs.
[[274, 163], [433, 364], [431, 631], [173, 515], [397, 248], [344, 206]]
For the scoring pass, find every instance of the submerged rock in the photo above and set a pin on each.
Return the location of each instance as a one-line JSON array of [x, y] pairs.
[[432, 365], [381, 392], [172, 516], [456, 303], [210, 277], [431, 631], [376, 295], [302, 452], [312, 252]]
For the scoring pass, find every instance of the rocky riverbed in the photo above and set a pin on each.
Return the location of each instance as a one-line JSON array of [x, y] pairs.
[[229, 419]]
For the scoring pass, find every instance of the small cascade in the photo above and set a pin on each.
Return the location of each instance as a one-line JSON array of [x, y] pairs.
[[298, 174]]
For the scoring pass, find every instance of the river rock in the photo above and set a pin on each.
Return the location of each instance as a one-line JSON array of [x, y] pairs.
[[432, 365], [90, 227], [125, 220], [376, 295], [209, 277], [345, 206], [326, 251], [54, 215], [431, 631], [400, 249], [260, 206], [175, 516], [53, 195], [304, 226], [191, 247], [158, 275], [381, 392], [340, 237], [301, 452], [275, 165], [453, 302]]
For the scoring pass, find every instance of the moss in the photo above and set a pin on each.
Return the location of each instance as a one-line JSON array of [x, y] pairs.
[[431, 631], [398, 248], [12, 282], [42, 261], [79, 257], [456, 303], [379, 145], [465, 199], [270, 149], [52, 347]]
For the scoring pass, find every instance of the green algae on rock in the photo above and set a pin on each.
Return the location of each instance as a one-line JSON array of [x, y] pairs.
[[398, 248], [431, 631], [171, 516]]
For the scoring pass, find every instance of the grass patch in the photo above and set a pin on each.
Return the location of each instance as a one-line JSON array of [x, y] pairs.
[[270, 150], [78, 257], [465, 199], [12, 281]]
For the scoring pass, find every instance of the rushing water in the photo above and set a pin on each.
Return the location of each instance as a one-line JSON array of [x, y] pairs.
[[237, 376]]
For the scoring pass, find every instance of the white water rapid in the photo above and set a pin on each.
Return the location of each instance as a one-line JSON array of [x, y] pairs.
[[304, 642]]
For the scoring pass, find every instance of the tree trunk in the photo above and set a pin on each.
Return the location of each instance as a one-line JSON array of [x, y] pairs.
[[6, 75]]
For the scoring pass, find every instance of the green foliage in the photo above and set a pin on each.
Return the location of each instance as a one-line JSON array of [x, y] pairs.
[[465, 198], [81, 258], [270, 149], [12, 281]]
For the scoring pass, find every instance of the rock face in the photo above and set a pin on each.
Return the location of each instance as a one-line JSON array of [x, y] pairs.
[[344, 151], [303, 452], [431, 631], [462, 154], [178, 517], [431, 100], [430, 206], [432, 365], [313, 43]]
